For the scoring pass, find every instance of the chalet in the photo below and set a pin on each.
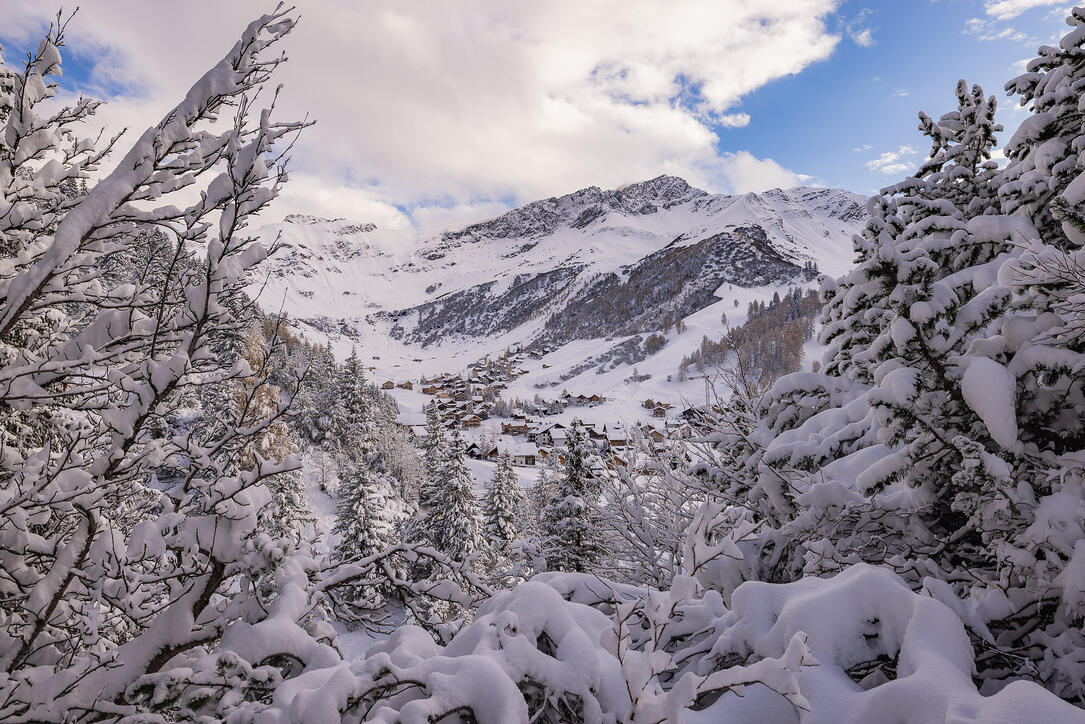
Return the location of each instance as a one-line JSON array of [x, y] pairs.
[[429, 389], [616, 461], [517, 426], [416, 432], [659, 411], [408, 385], [616, 436], [594, 433], [470, 421], [648, 404], [546, 435], [481, 451], [596, 400], [525, 456], [388, 385]]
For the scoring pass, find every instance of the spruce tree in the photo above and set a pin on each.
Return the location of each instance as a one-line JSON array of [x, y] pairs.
[[363, 519], [352, 417], [434, 458], [452, 517], [571, 521], [504, 507], [363, 523]]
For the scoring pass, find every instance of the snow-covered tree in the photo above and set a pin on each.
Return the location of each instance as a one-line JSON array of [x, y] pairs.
[[571, 521], [539, 495], [943, 437], [99, 565], [363, 521], [504, 507], [453, 520], [352, 418]]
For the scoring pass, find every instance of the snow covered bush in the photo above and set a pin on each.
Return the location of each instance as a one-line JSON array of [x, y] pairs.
[[944, 437], [121, 589]]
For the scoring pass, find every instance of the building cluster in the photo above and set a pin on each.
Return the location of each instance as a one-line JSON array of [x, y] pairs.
[[543, 441], [465, 401]]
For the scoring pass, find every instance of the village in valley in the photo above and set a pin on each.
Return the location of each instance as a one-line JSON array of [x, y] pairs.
[[532, 431]]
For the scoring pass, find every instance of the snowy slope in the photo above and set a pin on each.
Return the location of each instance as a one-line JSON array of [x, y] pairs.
[[566, 273]]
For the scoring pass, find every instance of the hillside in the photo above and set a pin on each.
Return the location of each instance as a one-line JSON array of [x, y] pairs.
[[605, 265]]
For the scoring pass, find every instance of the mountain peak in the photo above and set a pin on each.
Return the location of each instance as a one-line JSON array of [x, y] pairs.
[[582, 207]]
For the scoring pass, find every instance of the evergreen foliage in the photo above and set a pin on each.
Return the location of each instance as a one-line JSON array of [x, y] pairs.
[[572, 536], [504, 507]]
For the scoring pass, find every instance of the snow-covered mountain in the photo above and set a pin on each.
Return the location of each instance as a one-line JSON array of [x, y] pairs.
[[594, 264]]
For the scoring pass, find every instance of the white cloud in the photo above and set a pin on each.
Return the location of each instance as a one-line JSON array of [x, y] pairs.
[[900, 92], [988, 30], [734, 120], [864, 37], [433, 218], [1007, 9], [861, 149], [859, 30], [1020, 66], [742, 172], [892, 162], [461, 103]]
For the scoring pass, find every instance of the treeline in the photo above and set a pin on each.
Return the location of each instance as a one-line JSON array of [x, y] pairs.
[[768, 345]]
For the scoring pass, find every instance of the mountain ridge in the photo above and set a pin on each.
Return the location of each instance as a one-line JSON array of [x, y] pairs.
[[592, 263]]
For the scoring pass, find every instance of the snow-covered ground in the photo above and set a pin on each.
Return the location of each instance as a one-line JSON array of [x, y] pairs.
[[334, 277]]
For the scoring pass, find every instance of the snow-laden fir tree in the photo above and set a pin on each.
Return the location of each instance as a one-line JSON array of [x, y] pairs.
[[945, 438], [353, 417], [540, 493], [363, 520], [504, 507], [452, 518], [321, 395], [434, 459], [572, 535]]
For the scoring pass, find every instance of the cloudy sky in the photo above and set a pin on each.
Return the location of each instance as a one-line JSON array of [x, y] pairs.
[[437, 113]]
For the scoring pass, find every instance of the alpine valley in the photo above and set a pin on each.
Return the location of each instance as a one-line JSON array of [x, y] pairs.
[[581, 279]]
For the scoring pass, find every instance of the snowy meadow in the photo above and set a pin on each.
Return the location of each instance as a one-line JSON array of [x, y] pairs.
[[206, 516]]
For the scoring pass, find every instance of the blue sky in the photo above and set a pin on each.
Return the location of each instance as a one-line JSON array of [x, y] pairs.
[[868, 97], [434, 114]]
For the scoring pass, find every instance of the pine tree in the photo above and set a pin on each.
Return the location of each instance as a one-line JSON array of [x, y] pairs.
[[364, 526], [363, 519], [504, 507], [571, 521], [352, 418], [1044, 178], [452, 518], [434, 459]]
